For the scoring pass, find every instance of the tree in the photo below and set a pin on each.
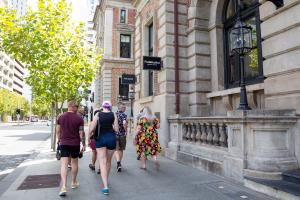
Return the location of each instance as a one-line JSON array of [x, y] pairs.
[[54, 49], [9, 102], [40, 108]]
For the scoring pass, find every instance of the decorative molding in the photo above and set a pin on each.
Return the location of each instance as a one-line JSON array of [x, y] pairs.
[[259, 86]]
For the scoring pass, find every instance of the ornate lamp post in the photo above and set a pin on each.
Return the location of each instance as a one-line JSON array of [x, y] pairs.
[[241, 43]]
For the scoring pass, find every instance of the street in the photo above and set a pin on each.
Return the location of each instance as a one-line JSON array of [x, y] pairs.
[[18, 143]]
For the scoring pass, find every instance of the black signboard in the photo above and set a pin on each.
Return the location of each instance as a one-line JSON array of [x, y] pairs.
[[128, 79], [152, 63]]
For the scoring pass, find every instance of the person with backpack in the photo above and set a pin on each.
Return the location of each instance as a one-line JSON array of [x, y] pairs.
[[105, 140], [121, 134]]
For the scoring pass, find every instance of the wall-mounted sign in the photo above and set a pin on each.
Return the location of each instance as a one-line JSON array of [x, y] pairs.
[[152, 63], [128, 79]]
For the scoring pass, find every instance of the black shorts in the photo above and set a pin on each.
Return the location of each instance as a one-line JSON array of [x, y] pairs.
[[67, 151]]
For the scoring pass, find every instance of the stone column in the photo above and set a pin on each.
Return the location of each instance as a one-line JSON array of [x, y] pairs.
[[198, 53]]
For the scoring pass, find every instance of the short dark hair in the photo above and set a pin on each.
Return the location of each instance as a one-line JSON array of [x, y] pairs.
[[72, 103]]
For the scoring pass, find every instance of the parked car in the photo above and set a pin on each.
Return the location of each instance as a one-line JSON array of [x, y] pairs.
[[34, 118]]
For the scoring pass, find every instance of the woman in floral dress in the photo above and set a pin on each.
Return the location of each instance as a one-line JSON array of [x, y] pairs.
[[146, 137]]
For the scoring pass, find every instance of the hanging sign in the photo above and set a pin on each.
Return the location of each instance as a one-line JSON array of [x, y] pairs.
[[152, 63], [128, 79]]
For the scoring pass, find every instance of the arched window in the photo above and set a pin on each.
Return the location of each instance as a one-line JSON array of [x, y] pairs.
[[249, 13]]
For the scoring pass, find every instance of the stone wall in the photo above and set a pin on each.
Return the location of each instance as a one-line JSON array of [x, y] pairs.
[[280, 29], [198, 54], [267, 143], [161, 13]]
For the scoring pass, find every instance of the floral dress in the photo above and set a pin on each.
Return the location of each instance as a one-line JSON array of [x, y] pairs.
[[147, 139]]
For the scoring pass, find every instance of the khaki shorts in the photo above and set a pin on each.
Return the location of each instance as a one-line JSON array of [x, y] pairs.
[[121, 143]]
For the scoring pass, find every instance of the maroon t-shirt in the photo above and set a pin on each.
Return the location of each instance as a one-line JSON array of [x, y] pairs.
[[69, 128]]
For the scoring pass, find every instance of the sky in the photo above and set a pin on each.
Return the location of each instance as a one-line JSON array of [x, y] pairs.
[[80, 9]]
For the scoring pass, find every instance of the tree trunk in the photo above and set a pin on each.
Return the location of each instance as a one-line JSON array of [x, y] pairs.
[[62, 104], [53, 136]]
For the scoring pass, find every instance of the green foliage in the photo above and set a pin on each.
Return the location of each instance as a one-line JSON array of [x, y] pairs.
[[54, 49], [10, 101], [40, 108]]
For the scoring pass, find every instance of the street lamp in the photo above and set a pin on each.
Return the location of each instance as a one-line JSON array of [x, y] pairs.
[[131, 94], [241, 43], [131, 98]]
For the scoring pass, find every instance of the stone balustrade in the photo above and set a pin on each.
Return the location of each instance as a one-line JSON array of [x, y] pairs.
[[209, 131], [250, 143]]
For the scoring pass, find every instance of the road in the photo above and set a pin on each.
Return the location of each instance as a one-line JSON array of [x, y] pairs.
[[18, 143]]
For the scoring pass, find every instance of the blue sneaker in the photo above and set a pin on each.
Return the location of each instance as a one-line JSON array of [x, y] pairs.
[[105, 191]]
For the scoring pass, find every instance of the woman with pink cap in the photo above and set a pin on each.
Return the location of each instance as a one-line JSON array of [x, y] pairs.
[[105, 138]]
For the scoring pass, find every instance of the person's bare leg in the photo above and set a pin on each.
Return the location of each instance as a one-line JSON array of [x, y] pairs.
[[64, 171], [102, 159], [155, 162], [119, 155], [74, 164], [109, 156], [143, 161], [94, 157]]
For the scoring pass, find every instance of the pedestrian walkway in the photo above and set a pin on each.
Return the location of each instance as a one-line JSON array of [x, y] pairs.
[[172, 181]]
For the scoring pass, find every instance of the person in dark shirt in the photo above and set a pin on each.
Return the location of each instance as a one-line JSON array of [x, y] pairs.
[[105, 140], [121, 135], [69, 133]]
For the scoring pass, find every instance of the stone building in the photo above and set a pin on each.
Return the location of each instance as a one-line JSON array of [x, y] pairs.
[[114, 24], [197, 93]]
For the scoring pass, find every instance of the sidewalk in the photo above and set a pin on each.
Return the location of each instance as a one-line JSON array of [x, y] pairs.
[[172, 181]]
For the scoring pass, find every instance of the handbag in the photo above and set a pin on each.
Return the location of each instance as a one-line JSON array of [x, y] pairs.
[[58, 152]]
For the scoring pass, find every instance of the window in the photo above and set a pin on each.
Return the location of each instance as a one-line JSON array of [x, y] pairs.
[[150, 53], [125, 46], [123, 89], [123, 16], [253, 60]]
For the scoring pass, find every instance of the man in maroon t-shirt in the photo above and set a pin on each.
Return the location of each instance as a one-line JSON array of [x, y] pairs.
[[69, 133]]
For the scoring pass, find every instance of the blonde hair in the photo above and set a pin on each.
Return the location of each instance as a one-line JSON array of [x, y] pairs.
[[147, 113]]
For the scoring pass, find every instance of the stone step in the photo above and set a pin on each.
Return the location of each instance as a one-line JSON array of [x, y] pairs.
[[280, 189], [292, 176]]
